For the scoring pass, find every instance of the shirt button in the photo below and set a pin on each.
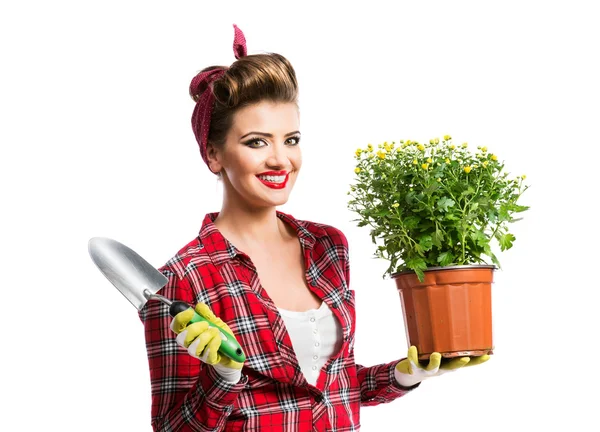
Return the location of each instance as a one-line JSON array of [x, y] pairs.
[[312, 319], [314, 368], [315, 331], [317, 344], [315, 357]]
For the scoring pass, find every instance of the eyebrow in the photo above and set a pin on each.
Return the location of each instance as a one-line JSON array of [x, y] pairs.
[[268, 134]]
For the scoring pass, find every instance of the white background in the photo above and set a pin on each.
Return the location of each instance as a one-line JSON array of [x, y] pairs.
[[96, 141]]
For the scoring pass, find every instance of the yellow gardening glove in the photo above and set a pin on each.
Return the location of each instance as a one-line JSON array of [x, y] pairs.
[[409, 371], [203, 341]]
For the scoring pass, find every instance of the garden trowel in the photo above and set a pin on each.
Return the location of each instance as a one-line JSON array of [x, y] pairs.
[[139, 282]]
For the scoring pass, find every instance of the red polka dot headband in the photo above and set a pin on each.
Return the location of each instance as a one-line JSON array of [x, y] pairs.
[[201, 89]]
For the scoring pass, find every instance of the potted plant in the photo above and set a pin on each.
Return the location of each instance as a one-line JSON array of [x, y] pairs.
[[439, 209]]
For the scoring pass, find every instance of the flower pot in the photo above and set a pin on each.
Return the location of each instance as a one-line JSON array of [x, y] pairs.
[[450, 312]]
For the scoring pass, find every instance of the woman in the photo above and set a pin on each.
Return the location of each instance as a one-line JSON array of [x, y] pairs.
[[278, 284]]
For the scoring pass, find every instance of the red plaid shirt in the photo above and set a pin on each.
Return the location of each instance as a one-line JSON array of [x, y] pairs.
[[272, 395]]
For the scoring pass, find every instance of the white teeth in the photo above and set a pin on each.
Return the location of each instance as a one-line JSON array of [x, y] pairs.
[[273, 179]]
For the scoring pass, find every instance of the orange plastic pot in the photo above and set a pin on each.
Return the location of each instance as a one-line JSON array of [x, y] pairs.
[[450, 312]]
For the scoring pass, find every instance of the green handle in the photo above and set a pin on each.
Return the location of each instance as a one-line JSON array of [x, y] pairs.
[[229, 346]]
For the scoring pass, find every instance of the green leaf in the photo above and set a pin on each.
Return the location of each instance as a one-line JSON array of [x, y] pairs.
[[411, 222], [518, 208], [417, 265], [505, 240], [445, 258], [444, 203], [383, 212], [426, 242], [479, 238]]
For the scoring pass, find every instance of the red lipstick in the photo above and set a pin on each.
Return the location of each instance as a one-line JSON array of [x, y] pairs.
[[271, 184]]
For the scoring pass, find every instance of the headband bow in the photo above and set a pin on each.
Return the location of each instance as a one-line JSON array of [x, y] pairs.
[[201, 91]]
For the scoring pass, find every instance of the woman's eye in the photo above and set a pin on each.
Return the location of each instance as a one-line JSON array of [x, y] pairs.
[[251, 143]]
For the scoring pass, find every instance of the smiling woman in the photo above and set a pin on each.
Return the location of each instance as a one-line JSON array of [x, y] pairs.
[[250, 266], [246, 158]]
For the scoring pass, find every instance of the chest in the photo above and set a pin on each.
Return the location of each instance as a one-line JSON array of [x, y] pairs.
[[282, 275]]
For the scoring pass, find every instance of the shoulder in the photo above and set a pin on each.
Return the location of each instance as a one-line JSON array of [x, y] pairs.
[[325, 232], [189, 257]]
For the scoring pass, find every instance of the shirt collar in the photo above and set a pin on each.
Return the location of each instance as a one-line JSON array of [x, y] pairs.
[[221, 250]]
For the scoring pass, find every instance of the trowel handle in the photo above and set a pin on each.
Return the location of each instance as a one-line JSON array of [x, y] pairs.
[[229, 346]]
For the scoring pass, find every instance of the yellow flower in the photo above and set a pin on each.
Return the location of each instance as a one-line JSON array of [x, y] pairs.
[[395, 205], [370, 147], [429, 160], [485, 164], [358, 152], [436, 140], [484, 149], [415, 162], [357, 170], [421, 147], [494, 157], [447, 161], [467, 169], [431, 141], [371, 155], [464, 145], [452, 147], [439, 179], [447, 137], [425, 166], [381, 154], [408, 142], [523, 176]]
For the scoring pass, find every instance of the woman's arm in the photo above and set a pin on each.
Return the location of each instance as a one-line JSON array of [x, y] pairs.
[[378, 383], [187, 394]]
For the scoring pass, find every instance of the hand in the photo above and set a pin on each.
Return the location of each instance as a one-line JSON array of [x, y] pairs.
[[203, 341], [409, 371]]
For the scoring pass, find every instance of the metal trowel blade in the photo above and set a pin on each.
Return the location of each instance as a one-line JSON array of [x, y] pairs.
[[126, 270]]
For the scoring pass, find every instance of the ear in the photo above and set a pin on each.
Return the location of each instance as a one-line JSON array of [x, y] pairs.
[[214, 157]]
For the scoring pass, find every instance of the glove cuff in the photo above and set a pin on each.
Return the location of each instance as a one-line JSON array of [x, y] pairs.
[[406, 380], [228, 374]]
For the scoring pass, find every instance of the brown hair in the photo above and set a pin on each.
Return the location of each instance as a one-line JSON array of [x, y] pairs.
[[250, 79]]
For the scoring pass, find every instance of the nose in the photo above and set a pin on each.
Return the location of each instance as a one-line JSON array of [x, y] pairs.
[[278, 157]]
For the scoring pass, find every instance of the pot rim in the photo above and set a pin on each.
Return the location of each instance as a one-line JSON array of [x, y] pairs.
[[453, 267]]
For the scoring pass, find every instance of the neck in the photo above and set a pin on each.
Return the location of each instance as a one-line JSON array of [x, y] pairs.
[[250, 229]]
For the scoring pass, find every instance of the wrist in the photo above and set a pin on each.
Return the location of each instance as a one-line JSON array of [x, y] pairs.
[[406, 380], [228, 374]]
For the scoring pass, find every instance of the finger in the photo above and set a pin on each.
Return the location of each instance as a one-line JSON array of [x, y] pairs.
[[213, 346], [181, 320], [193, 331], [478, 360], [200, 343], [434, 362], [413, 358], [187, 336], [455, 363], [203, 310]]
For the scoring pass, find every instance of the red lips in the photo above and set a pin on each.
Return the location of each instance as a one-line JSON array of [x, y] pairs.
[[274, 173], [274, 185]]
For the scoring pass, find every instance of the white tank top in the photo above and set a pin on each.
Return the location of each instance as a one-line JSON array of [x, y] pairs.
[[316, 335]]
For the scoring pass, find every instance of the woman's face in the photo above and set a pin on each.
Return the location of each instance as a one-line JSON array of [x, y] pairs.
[[264, 137]]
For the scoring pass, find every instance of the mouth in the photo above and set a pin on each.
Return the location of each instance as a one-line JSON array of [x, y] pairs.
[[274, 181]]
